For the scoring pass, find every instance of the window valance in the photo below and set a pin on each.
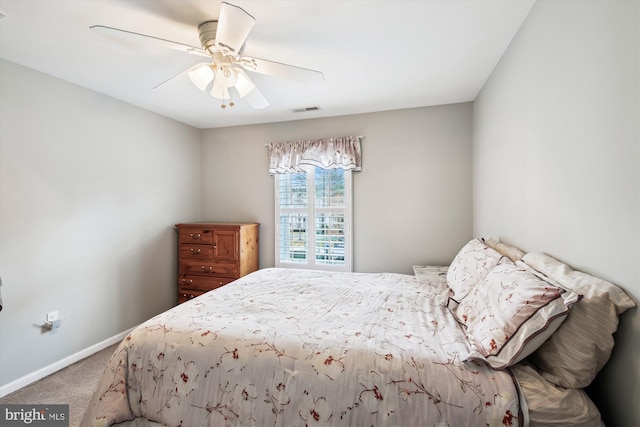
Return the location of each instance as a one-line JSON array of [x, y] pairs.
[[332, 153]]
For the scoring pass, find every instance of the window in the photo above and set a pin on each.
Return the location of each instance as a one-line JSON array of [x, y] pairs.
[[313, 219], [313, 201]]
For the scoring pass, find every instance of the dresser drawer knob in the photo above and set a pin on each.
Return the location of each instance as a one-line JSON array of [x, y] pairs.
[[190, 281], [195, 251], [207, 269], [195, 236]]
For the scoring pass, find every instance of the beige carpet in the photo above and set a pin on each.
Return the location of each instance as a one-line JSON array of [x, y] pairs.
[[73, 385]]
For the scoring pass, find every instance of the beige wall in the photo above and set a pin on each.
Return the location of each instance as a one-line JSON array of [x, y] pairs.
[[90, 188], [557, 159], [412, 199]]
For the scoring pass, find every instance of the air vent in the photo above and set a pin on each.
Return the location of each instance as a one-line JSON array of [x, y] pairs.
[[305, 109]]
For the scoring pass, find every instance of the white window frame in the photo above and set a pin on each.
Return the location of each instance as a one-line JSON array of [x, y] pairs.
[[310, 210]]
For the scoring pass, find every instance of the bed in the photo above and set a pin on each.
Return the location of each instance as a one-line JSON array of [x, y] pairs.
[[462, 345]]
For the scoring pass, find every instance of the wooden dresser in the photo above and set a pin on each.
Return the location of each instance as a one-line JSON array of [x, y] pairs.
[[211, 255]]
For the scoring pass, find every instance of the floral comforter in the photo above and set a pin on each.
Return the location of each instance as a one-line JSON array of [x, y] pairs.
[[292, 348]]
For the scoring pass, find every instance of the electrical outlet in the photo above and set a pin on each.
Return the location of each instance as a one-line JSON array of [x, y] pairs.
[[53, 316]]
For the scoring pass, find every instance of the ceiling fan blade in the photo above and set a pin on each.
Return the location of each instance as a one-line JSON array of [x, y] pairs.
[[125, 34], [234, 26], [279, 69], [256, 99]]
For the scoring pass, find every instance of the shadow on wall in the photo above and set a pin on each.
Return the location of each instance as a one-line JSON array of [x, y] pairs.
[[147, 277], [626, 353]]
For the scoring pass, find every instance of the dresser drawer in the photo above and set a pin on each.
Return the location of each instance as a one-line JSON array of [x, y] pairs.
[[196, 251], [201, 283], [187, 295], [197, 236], [209, 268]]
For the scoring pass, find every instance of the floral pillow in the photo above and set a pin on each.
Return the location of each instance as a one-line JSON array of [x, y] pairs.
[[472, 262], [510, 312]]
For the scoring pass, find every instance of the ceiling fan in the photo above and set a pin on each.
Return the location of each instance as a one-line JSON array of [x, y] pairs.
[[223, 42]]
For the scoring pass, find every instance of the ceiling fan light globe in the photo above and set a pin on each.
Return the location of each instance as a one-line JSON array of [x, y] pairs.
[[244, 85], [201, 76], [219, 91]]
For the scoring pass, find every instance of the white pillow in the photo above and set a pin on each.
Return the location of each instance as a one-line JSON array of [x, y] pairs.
[[510, 251], [549, 405], [582, 345]]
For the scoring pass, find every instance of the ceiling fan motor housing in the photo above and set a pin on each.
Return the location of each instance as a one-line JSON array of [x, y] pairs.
[[207, 32]]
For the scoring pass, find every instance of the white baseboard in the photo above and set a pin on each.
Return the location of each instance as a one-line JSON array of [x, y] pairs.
[[54, 367]]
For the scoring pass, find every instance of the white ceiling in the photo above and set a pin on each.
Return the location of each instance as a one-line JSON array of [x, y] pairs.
[[375, 55]]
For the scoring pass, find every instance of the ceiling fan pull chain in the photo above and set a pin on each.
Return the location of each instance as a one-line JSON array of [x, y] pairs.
[[231, 103]]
